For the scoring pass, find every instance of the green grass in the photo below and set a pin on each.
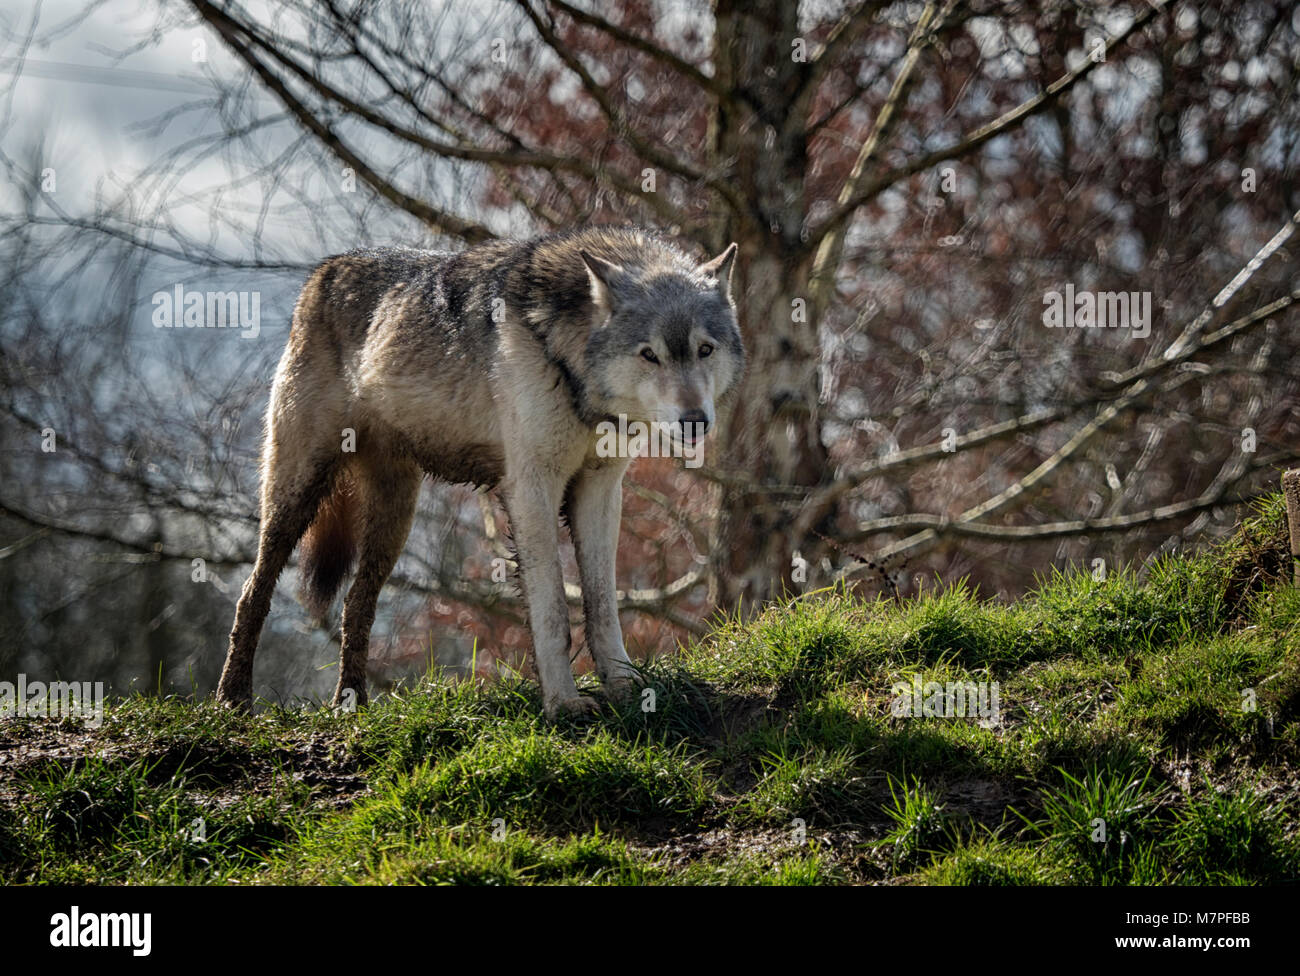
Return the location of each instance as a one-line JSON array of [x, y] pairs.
[[919, 828], [1149, 733], [1102, 826]]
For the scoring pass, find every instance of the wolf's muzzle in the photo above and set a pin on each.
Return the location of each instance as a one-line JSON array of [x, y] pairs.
[[694, 425]]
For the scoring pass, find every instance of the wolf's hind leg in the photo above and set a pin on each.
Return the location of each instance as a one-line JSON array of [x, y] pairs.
[[294, 483], [387, 499]]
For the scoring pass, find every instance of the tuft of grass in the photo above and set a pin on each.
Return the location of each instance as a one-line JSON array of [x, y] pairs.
[[1075, 614], [1102, 824], [798, 867], [672, 706], [792, 651], [952, 626], [1255, 558], [919, 824], [817, 787], [99, 820], [1203, 693], [438, 719], [543, 780], [1224, 837], [336, 854], [989, 862]]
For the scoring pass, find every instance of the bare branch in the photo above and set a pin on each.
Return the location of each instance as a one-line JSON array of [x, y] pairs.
[[823, 499], [831, 248], [441, 221], [649, 151], [1050, 530], [846, 30], [973, 140], [661, 54], [1080, 437], [1197, 326]]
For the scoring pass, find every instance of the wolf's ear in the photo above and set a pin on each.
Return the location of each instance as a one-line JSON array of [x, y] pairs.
[[605, 281], [719, 269]]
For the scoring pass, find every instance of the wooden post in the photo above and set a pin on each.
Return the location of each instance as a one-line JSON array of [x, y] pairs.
[[1291, 491]]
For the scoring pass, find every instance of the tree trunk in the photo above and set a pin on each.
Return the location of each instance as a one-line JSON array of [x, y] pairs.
[[772, 432]]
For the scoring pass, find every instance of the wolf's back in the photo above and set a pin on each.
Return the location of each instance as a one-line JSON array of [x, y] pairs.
[[453, 294]]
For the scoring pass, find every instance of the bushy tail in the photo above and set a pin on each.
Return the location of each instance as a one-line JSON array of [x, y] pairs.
[[328, 548]]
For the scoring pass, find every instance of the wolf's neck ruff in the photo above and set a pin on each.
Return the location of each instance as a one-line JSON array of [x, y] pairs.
[[569, 376]]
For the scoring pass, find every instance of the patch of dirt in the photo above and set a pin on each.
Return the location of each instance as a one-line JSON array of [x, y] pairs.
[[850, 847], [30, 746], [849, 850], [735, 715], [985, 801]]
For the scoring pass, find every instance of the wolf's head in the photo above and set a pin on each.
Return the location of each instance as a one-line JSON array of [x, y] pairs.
[[664, 344]]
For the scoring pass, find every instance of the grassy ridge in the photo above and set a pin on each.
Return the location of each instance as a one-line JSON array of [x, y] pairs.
[[1148, 734]]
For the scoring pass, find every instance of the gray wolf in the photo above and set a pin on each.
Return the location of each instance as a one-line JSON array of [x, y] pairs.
[[495, 366]]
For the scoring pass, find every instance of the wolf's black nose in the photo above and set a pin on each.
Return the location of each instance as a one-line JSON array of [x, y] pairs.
[[695, 424]]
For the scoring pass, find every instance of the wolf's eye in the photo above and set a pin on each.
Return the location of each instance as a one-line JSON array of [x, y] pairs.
[[649, 356], [706, 350]]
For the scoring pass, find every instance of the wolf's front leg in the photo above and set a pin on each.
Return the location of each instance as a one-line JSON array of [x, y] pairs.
[[533, 503], [595, 513]]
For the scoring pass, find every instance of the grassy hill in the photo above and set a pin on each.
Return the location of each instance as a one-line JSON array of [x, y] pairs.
[[1149, 734]]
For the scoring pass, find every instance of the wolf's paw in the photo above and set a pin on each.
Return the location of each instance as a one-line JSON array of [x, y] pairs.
[[235, 698], [347, 699], [625, 687], [580, 709]]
